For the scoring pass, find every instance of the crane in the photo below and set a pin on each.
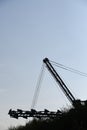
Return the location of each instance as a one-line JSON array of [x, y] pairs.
[[75, 102]]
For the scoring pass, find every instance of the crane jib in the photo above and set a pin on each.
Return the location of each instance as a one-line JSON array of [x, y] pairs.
[[59, 80]]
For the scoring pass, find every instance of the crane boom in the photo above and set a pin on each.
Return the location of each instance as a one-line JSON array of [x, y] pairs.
[[60, 82]]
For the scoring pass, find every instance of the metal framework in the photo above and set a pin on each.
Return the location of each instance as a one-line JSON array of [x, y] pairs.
[[48, 114], [75, 102], [59, 80], [34, 113]]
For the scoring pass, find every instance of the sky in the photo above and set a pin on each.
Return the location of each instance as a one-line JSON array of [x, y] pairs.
[[31, 30]]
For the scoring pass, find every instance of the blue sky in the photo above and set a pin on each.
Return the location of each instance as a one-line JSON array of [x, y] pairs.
[[29, 31]]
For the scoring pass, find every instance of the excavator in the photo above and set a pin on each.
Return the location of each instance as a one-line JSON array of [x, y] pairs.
[[76, 103]]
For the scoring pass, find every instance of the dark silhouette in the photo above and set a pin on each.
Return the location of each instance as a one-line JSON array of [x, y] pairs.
[[72, 119], [75, 102], [35, 114]]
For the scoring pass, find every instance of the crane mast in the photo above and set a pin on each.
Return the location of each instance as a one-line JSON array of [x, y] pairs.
[[60, 82]]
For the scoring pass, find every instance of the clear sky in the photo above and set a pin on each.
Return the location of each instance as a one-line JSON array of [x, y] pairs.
[[29, 31]]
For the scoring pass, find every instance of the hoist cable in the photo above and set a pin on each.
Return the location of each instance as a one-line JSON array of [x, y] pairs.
[[69, 68], [38, 85]]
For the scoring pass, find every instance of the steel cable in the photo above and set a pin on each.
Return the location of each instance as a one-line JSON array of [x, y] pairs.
[[69, 68], [38, 86]]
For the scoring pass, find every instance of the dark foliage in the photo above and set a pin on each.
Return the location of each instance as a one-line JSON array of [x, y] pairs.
[[73, 119]]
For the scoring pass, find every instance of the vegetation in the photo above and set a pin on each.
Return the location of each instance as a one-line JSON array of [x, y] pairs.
[[72, 119]]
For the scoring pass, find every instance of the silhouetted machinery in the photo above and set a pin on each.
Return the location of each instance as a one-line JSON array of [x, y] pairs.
[[34, 113], [76, 103]]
